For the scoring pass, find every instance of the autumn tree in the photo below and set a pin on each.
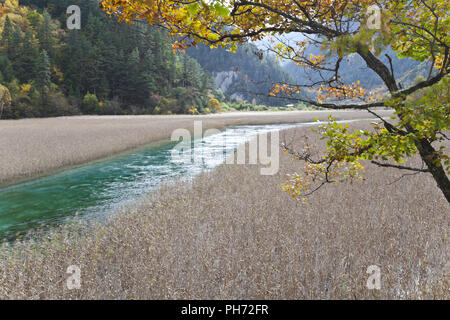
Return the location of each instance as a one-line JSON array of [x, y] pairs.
[[214, 105], [417, 29], [5, 100]]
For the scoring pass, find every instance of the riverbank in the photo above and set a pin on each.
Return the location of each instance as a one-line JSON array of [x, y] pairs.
[[30, 148], [234, 234]]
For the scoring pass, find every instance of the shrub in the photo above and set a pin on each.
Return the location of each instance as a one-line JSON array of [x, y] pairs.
[[169, 106], [112, 107], [24, 102], [260, 108], [157, 110], [214, 105], [14, 87], [193, 110], [5, 101], [244, 107], [154, 100], [58, 105], [225, 107], [89, 104]]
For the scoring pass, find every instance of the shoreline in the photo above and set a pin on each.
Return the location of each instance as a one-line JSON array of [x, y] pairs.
[[224, 237], [59, 170], [102, 137]]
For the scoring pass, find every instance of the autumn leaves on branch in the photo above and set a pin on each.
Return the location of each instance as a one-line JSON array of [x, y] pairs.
[[416, 29]]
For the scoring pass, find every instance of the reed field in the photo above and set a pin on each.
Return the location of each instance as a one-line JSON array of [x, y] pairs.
[[34, 147], [232, 233]]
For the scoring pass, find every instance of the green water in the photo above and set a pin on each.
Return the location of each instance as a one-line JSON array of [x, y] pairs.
[[99, 189]]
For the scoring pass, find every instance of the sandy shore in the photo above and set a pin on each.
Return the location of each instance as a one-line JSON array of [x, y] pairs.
[[34, 147]]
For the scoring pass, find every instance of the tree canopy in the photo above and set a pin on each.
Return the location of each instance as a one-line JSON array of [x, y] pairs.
[[49, 70], [417, 29]]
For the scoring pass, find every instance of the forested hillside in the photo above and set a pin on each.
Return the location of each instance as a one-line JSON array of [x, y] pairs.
[[112, 68], [104, 68]]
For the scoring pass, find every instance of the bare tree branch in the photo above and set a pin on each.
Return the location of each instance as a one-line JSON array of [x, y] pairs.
[[388, 165]]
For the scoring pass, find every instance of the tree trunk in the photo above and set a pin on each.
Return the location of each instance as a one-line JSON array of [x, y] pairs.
[[426, 150], [429, 156]]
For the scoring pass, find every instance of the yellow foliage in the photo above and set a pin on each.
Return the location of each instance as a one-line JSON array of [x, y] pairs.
[[5, 99], [14, 12], [214, 105], [193, 111], [25, 88]]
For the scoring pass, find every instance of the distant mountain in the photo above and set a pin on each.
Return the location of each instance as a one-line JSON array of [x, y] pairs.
[[247, 74], [353, 68]]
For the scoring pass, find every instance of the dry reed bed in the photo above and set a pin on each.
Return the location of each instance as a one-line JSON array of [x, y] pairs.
[[233, 234], [33, 147]]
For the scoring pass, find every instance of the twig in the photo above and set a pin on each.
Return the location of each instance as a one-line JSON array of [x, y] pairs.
[[388, 165], [405, 175]]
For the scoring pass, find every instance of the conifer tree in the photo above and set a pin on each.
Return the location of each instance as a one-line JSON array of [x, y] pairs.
[[45, 34], [43, 73], [7, 33], [28, 56]]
